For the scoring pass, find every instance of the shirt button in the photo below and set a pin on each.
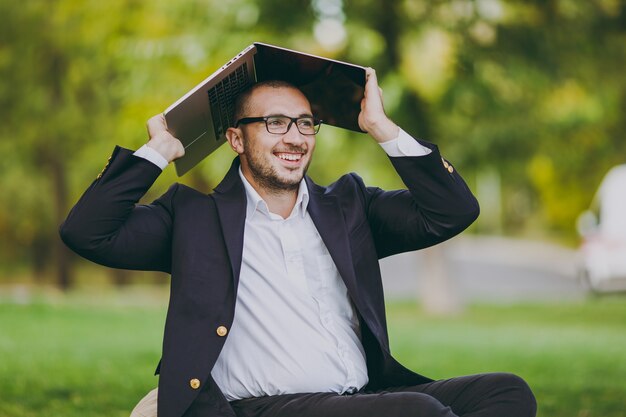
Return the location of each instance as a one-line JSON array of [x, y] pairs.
[[194, 383], [222, 331]]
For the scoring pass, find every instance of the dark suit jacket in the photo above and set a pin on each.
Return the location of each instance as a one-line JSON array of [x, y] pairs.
[[198, 239]]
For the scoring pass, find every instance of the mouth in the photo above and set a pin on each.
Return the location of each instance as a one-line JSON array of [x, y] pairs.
[[290, 158]]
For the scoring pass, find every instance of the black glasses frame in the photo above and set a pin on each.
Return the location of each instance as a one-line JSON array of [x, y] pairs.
[[317, 123]]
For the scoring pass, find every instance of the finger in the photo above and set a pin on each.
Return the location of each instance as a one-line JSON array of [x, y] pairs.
[[156, 124], [371, 84]]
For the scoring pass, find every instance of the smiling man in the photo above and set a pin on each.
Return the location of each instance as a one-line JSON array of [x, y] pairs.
[[276, 304], [274, 157]]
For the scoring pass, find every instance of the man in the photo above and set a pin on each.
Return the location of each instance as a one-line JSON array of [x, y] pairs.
[[276, 304]]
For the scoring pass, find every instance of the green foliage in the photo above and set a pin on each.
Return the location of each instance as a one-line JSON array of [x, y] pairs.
[[531, 91]]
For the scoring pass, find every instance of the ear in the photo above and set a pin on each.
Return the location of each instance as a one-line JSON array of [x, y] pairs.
[[234, 136]]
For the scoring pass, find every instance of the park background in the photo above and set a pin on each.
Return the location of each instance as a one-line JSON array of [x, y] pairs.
[[526, 98]]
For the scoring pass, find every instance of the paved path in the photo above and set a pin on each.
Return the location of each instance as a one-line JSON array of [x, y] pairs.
[[472, 268]]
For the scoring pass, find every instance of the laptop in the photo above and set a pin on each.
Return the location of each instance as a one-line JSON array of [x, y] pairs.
[[200, 118]]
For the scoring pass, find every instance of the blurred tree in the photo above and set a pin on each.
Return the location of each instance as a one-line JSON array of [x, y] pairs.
[[55, 99], [527, 93], [81, 76]]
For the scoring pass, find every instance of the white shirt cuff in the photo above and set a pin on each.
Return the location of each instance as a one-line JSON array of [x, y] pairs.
[[404, 145], [151, 155]]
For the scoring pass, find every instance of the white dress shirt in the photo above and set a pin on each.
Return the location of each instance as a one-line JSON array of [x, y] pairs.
[[295, 329]]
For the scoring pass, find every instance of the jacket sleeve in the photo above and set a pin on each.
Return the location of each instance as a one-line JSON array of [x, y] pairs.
[[437, 205], [108, 227]]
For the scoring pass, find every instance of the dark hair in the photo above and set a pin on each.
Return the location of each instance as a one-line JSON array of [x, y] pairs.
[[242, 100]]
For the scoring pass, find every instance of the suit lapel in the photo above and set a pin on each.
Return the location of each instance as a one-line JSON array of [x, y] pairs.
[[230, 200], [326, 214]]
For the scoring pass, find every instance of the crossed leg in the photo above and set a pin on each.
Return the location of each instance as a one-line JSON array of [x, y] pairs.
[[484, 395]]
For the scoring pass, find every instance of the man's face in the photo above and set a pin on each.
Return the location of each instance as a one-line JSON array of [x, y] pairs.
[[276, 162]]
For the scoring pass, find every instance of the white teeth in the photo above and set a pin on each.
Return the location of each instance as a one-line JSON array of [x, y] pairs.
[[289, 156]]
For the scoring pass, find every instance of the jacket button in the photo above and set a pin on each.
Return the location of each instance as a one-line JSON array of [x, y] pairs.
[[221, 331], [194, 383], [450, 169]]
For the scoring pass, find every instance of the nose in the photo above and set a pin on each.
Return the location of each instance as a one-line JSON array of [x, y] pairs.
[[293, 135]]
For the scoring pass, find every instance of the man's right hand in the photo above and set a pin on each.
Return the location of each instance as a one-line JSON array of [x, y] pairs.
[[162, 141]]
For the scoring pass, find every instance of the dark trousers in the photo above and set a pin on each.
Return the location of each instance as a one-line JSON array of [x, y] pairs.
[[484, 395]]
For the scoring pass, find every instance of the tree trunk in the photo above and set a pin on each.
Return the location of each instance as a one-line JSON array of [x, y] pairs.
[[62, 256], [121, 277], [39, 255], [438, 295]]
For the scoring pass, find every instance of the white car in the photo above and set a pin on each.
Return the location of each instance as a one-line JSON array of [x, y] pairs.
[[603, 250]]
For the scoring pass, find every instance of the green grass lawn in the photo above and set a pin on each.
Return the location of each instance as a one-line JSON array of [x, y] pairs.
[[94, 356], [572, 355]]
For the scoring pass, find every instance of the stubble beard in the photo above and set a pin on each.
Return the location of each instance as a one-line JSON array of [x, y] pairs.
[[268, 178]]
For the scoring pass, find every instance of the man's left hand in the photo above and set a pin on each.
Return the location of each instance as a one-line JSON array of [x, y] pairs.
[[372, 118]]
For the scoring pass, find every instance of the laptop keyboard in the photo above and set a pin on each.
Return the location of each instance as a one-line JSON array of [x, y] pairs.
[[222, 99]]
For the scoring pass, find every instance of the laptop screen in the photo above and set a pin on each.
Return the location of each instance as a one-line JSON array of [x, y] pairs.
[[201, 117], [334, 88]]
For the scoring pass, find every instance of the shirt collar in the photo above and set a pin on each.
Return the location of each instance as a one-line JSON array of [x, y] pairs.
[[255, 202]]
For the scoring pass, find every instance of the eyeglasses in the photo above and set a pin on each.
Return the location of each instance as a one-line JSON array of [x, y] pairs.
[[279, 125]]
